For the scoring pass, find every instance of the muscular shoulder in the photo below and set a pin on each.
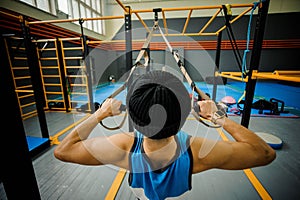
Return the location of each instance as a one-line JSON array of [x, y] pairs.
[[200, 148], [123, 140], [208, 154]]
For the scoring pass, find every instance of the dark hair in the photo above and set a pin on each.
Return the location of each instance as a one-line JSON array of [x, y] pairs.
[[158, 104]]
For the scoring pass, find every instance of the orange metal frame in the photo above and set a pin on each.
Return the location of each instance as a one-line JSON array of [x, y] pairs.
[[217, 10], [283, 75]]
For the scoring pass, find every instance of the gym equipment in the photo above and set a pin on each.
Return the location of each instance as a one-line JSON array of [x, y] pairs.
[[274, 141], [263, 104], [228, 100], [201, 95]]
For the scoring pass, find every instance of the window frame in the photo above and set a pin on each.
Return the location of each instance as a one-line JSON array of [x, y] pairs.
[[86, 6]]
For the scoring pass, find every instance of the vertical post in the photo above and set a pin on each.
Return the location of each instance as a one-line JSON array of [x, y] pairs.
[[228, 15], [128, 39], [13, 145], [63, 76], [36, 79], [88, 68], [255, 59], [217, 65]]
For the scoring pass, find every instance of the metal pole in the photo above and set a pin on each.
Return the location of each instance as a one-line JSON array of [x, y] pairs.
[[217, 62], [36, 79], [88, 67], [128, 39], [63, 75], [17, 172], [255, 59]]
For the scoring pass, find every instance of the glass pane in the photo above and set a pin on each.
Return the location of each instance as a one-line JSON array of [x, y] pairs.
[[82, 11], [63, 6], [28, 2], [95, 23], [89, 15], [43, 4], [98, 9], [94, 4], [88, 2], [83, 14], [100, 31], [75, 10]]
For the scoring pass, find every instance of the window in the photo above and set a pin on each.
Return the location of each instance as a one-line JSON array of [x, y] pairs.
[[84, 9], [74, 9], [63, 6], [45, 5]]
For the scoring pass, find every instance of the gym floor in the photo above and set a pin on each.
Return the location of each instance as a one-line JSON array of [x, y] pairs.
[[279, 180]]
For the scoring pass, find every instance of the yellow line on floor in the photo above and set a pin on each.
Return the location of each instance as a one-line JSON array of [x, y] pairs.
[[116, 185], [258, 186], [252, 178], [54, 139]]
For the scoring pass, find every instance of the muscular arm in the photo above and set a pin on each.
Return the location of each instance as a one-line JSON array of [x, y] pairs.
[[248, 150], [77, 147]]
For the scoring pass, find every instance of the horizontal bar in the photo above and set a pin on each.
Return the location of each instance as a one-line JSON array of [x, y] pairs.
[[20, 68], [20, 58], [44, 40], [22, 77], [193, 8], [25, 91], [285, 72], [19, 48], [53, 84], [8, 14], [28, 104], [26, 96], [47, 49], [187, 34], [50, 58], [53, 92], [67, 39], [112, 41], [74, 20], [73, 58], [237, 78], [51, 76], [72, 48], [50, 67], [75, 67], [78, 85]]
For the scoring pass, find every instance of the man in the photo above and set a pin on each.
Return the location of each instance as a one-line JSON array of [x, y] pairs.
[[160, 157]]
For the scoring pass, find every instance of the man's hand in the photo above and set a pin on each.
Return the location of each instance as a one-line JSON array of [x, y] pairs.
[[110, 107], [207, 109]]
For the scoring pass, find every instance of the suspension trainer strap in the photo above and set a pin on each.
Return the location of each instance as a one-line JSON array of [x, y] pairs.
[[142, 53], [228, 14], [190, 81]]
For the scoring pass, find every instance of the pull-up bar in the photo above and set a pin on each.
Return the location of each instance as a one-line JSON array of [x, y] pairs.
[[193, 8], [10, 15], [201, 32], [74, 20]]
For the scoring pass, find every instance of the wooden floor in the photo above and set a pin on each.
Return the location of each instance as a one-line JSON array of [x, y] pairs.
[[279, 180]]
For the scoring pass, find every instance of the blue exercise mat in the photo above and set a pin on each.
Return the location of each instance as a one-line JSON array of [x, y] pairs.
[[290, 95], [34, 142]]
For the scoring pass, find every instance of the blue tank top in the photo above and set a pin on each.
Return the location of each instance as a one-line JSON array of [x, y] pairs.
[[172, 181]]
